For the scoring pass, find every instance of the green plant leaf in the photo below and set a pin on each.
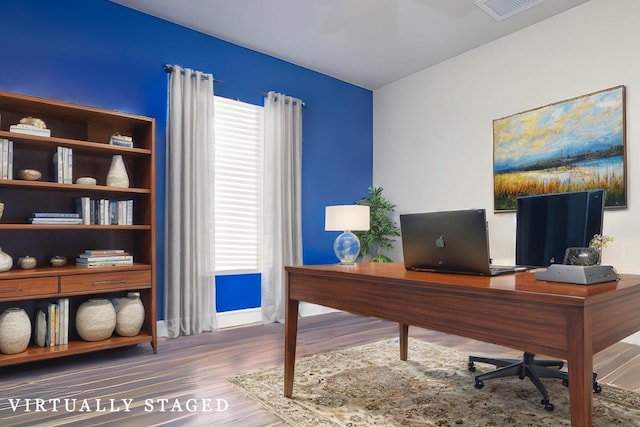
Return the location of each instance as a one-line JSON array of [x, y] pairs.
[[379, 238]]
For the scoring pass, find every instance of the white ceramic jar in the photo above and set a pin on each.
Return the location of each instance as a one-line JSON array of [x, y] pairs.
[[129, 315], [15, 331], [95, 319]]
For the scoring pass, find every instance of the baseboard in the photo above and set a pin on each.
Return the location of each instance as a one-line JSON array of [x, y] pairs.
[[161, 329], [235, 318], [633, 339], [307, 309], [249, 316]]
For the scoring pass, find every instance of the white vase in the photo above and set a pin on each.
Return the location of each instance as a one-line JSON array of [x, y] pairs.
[[129, 315], [6, 262], [117, 175], [95, 319], [15, 331]]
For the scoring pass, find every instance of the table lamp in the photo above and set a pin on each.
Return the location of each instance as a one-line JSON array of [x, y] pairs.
[[347, 218]]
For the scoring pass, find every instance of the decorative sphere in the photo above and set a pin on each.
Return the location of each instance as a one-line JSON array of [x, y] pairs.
[[347, 247], [27, 262], [58, 261]]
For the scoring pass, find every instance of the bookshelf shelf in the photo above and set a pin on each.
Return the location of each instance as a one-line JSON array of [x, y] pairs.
[[34, 353], [86, 131]]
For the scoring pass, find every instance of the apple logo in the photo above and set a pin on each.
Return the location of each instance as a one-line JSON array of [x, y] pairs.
[[440, 242]]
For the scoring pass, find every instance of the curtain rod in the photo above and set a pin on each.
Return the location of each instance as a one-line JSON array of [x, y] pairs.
[[265, 94], [168, 68]]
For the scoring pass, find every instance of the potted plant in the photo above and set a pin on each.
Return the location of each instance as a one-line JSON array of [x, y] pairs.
[[379, 238]]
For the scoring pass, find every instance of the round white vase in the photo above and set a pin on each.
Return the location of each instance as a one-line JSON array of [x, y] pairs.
[[117, 175], [129, 315], [6, 262], [95, 319], [15, 331]]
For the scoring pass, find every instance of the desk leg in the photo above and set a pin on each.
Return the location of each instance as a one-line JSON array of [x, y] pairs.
[[404, 341], [290, 339], [580, 361]]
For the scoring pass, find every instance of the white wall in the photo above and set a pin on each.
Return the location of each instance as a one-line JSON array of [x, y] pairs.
[[433, 146]]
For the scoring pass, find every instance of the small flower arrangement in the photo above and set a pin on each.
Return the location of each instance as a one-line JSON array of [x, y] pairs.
[[600, 241]]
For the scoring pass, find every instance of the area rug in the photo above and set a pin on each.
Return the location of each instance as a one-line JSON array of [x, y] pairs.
[[368, 385]]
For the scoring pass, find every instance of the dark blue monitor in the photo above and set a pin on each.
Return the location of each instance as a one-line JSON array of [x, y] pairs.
[[548, 224]]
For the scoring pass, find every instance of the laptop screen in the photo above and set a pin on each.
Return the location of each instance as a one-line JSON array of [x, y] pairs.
[[447, 241]]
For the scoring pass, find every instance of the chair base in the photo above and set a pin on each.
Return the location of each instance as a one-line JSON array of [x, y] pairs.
[[527, 367]]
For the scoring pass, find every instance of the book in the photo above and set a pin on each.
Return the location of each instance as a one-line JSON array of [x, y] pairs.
[[96, 252], [3, 159], [103, 263], [129, 212], [56, 215], [10, 160], [62, 321], [72, 221], [52, 324], [29, 130], [68, 166], [65, 325], [83, 207], [6, 159], [121, 141], [90, 258]]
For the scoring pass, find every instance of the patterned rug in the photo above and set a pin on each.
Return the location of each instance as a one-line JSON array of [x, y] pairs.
[[369, 386]]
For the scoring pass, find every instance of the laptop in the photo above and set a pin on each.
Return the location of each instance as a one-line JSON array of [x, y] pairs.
[[448, 242]]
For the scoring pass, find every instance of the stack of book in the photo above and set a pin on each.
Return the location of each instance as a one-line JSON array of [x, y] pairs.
[[55, 218], [52, 323], [104, 258], [29, 129], [63, 165], [121, 140], [104, 211], [6, 159]]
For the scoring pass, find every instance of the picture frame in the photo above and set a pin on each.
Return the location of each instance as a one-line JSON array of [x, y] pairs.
[[572, 145]]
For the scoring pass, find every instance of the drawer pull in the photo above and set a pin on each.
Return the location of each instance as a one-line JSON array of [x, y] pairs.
[[109, 282], [10, 290]]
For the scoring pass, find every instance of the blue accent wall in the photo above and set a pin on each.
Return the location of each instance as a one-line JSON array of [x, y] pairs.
[[235, 292], [102, 54]]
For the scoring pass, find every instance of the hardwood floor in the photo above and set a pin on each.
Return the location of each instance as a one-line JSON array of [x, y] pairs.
[[197, 368]]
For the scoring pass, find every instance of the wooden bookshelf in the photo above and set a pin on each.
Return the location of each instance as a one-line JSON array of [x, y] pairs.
[[87, 131]]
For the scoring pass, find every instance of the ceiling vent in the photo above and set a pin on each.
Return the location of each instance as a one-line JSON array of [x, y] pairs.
[[502, 9]]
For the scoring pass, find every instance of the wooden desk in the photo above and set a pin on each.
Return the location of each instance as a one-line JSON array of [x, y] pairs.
[[571, 322]]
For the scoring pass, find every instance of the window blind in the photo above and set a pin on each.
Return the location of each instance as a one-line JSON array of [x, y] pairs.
[[239, 130]]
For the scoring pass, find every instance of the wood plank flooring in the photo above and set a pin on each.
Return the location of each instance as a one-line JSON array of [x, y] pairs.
[[197, 367]]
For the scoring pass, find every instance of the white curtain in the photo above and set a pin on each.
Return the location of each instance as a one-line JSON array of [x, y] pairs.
[[282, 228], [189, 291]]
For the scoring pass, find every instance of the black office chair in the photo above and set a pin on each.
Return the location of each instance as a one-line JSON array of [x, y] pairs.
[[527, 367]]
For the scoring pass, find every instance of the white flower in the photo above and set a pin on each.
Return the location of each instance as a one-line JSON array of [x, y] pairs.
[[600, 241]]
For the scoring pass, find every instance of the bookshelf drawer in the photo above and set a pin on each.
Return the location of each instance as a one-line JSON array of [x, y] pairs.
[[106, 281], [28, 287]]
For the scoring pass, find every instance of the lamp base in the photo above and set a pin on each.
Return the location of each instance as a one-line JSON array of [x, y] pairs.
[[346, 264], [347, 248]]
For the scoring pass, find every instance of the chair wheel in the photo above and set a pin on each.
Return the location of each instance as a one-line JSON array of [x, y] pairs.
[[565, 383], [479, 384], [597, 388], [549, 406], [471, 366]]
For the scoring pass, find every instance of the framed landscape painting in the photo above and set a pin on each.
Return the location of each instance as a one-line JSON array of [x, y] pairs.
[[572, 145]]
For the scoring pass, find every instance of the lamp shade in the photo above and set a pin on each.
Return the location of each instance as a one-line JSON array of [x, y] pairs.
[[346, 218]]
